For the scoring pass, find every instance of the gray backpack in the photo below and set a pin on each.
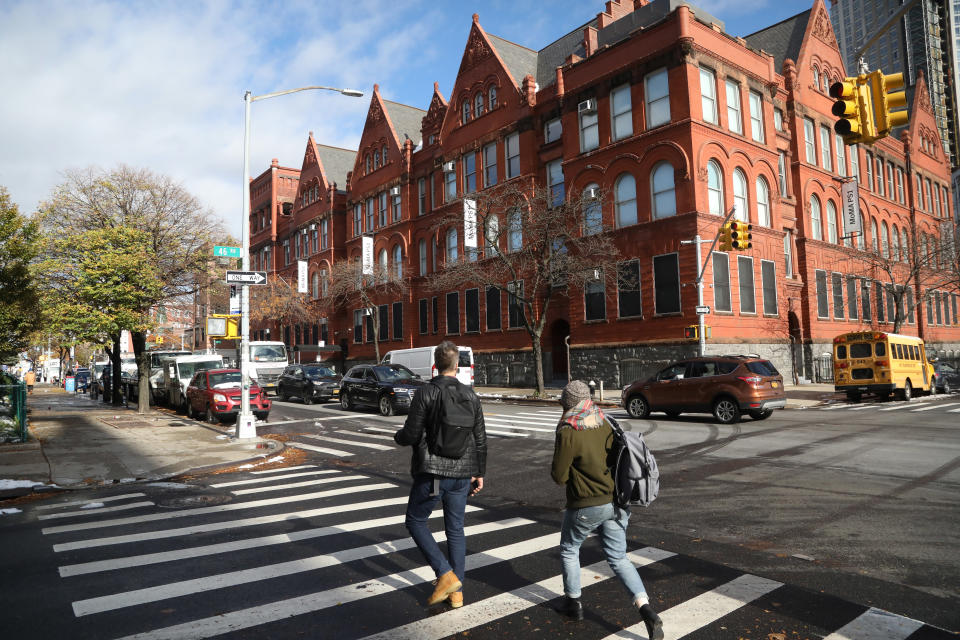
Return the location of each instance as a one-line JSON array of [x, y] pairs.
[[635, 473]]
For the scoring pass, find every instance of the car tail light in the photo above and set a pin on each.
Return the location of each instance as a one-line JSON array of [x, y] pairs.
[[844, 365], [753, 381], [883, 363], [433, 371], [471, 374]]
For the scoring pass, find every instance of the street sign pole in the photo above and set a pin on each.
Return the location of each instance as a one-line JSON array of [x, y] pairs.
[[246, 422]]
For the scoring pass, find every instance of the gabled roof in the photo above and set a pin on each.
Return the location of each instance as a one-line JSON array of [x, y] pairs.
[[336, 163], [520, 61], [782, 40], [406, 120]]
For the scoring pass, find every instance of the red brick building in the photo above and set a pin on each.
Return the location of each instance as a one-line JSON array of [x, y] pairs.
[[679, 121]]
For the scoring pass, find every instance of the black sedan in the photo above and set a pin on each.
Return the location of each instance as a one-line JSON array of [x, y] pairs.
[[309, 382], [82, 380], [389, 387], [947, 377]]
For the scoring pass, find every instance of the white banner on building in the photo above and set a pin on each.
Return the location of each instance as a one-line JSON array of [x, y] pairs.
[[469, 223], [367, 255], [302, 276], [850, 195]]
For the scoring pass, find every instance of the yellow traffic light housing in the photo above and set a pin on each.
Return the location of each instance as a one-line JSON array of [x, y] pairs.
[[725, 237], [691, 333], [890, 104], [740, 237], [854, 108]]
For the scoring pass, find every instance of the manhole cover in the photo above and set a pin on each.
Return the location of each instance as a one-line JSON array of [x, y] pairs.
[[177, 502]]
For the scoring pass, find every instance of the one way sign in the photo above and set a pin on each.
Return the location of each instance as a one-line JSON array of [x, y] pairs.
[[247, 277]]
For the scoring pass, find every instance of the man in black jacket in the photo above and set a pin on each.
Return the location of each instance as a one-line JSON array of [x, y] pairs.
[[441, 478]]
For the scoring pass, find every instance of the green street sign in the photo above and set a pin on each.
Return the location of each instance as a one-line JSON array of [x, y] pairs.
[[227, 252]]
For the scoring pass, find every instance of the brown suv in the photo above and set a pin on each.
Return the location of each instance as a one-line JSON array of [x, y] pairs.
[[725, 386]]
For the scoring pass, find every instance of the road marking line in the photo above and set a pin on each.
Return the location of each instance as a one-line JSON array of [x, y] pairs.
[[230, 524], [455, 621], [310, 447], [954, 411], [365, 435], [267, 572], [876, 623], [706, 608], [514, 425], [95, 511], [937, 406], [127, 562], [835, 407], [302, 466], [76, 503], [271, 424], [284, 609], [325, 419], [507, 434], [905, 405], [296, 485], [369, 445], [288, 476], [862, 407], [216, 509], [380, 429]]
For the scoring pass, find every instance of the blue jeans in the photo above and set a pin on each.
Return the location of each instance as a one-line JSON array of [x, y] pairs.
[[612, 526], [453, 493]]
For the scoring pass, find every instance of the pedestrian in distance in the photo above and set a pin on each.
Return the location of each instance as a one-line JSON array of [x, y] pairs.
[[445, 428], [581, 462], [31, 379]]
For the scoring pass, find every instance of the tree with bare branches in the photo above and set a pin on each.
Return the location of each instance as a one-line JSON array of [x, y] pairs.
[[279, 300], [532, 243]]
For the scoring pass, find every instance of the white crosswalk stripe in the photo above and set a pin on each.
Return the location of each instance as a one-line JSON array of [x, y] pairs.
[[936, 406], [905, 405], [876, 623], [356, 443], [263, 479], [95, 511], [365, 435], [79, 503], [296, 485], [302, 466], [311, 447]]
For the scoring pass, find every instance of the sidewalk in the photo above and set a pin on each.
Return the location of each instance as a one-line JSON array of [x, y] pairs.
[[77, 442]]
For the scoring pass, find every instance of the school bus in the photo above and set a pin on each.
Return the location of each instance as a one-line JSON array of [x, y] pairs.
[[881, 363]]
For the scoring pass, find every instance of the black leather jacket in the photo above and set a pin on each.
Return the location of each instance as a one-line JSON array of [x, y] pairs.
[[474, 461]]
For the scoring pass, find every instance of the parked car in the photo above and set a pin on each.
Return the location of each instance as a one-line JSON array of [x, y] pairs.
[[420, 361], [82, 380], [309, 382], [947, 377], [179, 370], [389, 387], [725, 386], [214, 394]]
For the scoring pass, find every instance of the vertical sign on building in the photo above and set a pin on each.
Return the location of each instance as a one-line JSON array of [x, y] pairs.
[[301, 276], [850, 195], [469, 223], [367, 255]]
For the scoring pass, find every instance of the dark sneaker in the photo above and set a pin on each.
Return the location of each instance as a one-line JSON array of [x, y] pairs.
[[653, 622], [572, 608]]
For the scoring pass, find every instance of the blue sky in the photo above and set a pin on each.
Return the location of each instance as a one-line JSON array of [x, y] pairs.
[[160, 84]]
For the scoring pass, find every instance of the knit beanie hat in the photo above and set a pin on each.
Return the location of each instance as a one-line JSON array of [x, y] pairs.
[[573, 394]]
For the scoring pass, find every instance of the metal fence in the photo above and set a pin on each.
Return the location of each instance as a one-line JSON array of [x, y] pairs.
[[13, 406]]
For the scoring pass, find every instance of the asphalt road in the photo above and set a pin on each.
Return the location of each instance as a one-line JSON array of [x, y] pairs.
[[811, 523]]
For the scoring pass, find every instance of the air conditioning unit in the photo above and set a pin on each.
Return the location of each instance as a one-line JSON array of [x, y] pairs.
[[592, 193], [449, 166], [587, 106], [303, 231], [395, 191], [313, 226]]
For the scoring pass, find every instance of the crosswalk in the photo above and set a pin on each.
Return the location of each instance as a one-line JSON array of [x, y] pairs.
[[944, 403], [316, 552]]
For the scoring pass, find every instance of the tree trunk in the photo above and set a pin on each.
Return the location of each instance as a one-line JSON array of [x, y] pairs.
[[538, 362], [376, 332], [115, 368], [143, 371]]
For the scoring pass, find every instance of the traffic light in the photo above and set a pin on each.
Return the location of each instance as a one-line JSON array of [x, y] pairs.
[[886, 98], [740, 237], [854, 109], [691, 332], [725, 237], [159, 339]]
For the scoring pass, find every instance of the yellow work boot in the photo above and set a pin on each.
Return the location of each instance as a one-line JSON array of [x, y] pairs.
[[446, 584], [456, 599]]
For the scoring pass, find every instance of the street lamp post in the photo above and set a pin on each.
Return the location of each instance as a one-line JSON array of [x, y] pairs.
[[246, 422]]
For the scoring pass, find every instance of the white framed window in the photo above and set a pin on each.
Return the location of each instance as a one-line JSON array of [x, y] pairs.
[[324, 233], [357, 219], [315, 286], [383, 208], [878, 176], [492, 97], [900, 185], [398, 261], [663, 190], [469, 172], [874, 236], [768, 286], [884, 239], [552, 130], [734, 115], [778, 119], [450, 184], [452, 244], [831, 222], [788, 253], [721, 282], [625, 192], [589, 130], [511, 149], [555, 183], [825, 156], [816, 229], [782, 172], [855, 162], [748, 294], [810, 144], [490, 164], [384, 264], [371, 213], [515, 230], [491, 235], [895, 242], [715, 188], [478, 105], [656, 88], [740, 195], [763, 202], [466, 111], [841, 155], [708, 95], [592, 212], [756, 117], [890, 191], [422, 249], [861, 241], [621, 112]]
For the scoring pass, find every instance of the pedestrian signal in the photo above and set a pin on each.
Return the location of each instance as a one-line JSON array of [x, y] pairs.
[[691, 333], [740, 237], [890, 104]]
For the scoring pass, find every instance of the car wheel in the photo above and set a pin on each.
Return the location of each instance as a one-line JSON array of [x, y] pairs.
[[308, 395], [184, 406], [211, 416], [637, 407], [282, 394], [933, 387], [946, 386], [906, 394], [672, 414], [386, 407], [726, 410], [345, 401], [190, 412], [761, 415]]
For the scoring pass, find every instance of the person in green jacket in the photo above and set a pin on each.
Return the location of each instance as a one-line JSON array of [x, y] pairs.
[[584, 440]]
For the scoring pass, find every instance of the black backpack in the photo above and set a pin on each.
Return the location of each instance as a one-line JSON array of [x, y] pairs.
[[635, 473], [452, 421]]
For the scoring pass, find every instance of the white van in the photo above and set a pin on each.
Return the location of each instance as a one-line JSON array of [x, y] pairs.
[[420, 361], [179, 370]]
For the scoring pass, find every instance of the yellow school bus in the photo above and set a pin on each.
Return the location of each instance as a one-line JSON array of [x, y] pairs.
[[881, 363]]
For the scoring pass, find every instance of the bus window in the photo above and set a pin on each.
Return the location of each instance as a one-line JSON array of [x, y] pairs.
[[899, 355], [881, 348], [841, 352], [860, 350]]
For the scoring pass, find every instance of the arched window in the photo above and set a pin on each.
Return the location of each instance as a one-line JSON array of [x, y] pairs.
[[626, 200], [885, 239], [491, 235], [383, 154], [382, 259], [816, 228], [816, 77], [466, 111], [664, 192], [904, 245], [315, 289], [831, 222], [861, 241], [492, 97], [452, 244], [515, 230], [874, 236], [592, 213], [763, 203], [478, 105], [324, 283], [825, 83], [376, 159], [398, 261], [895, 242], [740, 195], [368, 163], [714, 188]]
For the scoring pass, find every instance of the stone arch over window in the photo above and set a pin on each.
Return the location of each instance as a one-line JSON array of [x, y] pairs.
[[816, 224], [663, 190], [715, 188], [763, 202], [740, 195], [625, 200]]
